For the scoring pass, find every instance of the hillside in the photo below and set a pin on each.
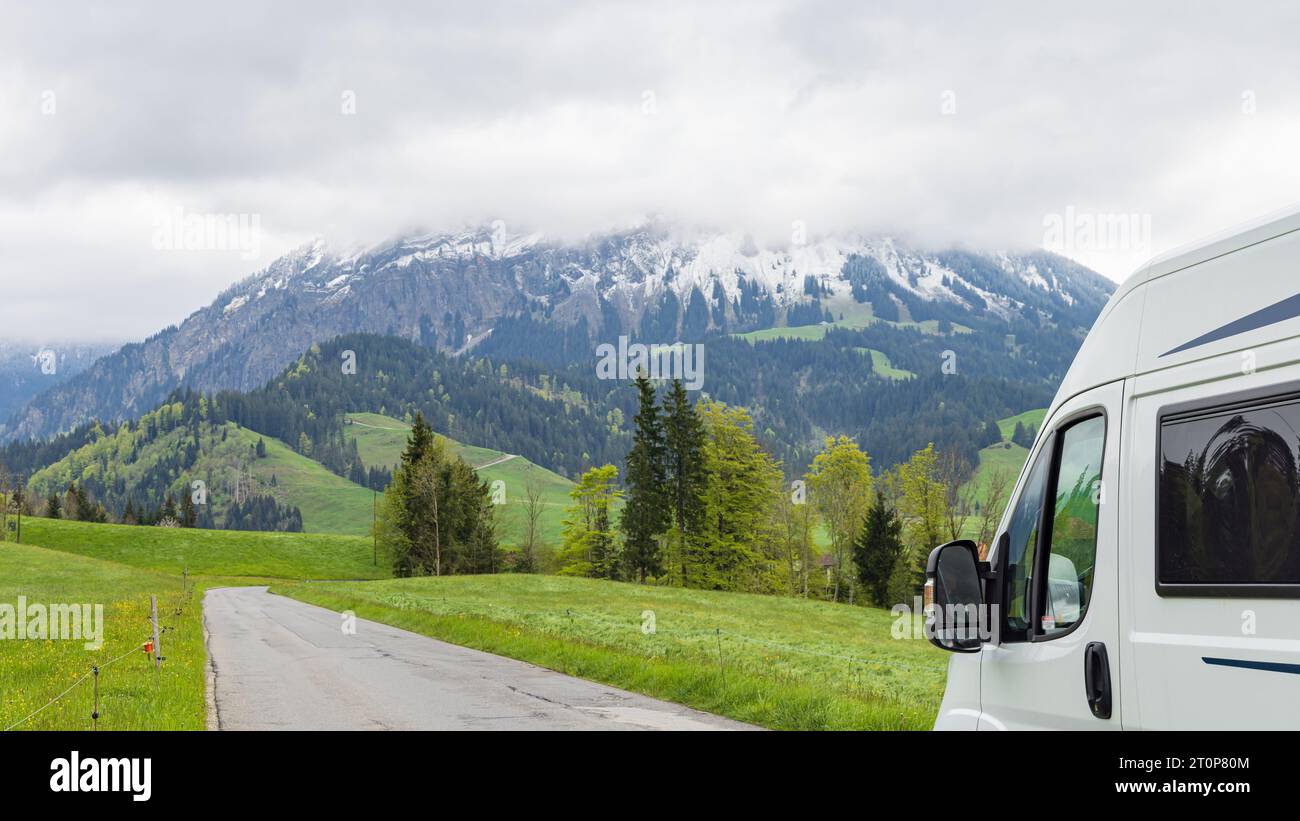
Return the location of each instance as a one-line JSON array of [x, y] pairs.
[[165, 456], [381, 440], [129, 464], [1005, 457]]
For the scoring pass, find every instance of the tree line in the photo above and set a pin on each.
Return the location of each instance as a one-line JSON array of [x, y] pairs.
[[702, 504]]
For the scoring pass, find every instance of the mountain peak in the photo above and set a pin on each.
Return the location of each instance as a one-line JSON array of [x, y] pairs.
[[450, 289]]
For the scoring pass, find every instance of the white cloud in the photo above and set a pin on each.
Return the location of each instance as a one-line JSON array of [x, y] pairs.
[[763, 113]]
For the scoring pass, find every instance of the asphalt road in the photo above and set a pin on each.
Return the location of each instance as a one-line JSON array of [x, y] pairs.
[[280, 664]]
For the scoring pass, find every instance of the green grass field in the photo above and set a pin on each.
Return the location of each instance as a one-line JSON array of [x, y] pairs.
[[787, 663], [1028, 418], [882, 366], [804, 333], [1006, 456], [849, 314], [329, 503], [381, 440], [132, 694], [212, 552]]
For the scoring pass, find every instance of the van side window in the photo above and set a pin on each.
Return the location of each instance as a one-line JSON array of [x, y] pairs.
[[1229, 498], [1023, 532], [1073, 529], [1051, 552]]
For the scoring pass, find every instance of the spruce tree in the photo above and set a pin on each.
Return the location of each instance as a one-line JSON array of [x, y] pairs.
[[684, 469], [877, 550], [992, 434], [189, 515], [1018, 435], [645, 517], [419, 442], [169, 508]]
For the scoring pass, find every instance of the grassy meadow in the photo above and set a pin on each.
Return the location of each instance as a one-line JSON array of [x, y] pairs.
[[329, 503], [1030, 418], [132, 694], [848, 313], [211, 552], [778, 662]]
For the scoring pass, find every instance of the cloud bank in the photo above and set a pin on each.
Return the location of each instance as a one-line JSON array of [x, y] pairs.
[[947, 123]]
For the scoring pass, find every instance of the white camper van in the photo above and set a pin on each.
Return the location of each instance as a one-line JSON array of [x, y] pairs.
[[1146, 574]]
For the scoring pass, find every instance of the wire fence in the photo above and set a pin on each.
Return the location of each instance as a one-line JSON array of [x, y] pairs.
[[93, 671], [148, 644]]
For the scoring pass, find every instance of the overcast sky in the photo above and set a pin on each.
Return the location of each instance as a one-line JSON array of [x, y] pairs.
[[963, 123]]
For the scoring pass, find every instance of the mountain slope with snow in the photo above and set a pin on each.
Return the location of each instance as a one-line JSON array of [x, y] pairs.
[[449, 290]]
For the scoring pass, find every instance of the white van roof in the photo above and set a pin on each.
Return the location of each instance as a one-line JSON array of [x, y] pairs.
[[1191, 302]]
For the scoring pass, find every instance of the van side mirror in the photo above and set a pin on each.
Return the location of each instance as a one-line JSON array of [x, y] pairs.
[[955, 616]]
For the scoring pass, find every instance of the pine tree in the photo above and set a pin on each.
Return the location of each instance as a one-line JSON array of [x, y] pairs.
[[877, 549], [418, 442], [992, 434], [645, 516], [437, 516], [189, 516], [53, 507], [684, 469], [261, 448], [169, 508]]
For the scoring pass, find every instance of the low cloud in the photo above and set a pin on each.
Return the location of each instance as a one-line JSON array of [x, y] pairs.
[[948, 124]]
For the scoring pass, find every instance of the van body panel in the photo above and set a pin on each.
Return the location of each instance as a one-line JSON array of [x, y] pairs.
[[1228, 304], [1109, 353], [960, 709], [1233, 239], [1205, 660]]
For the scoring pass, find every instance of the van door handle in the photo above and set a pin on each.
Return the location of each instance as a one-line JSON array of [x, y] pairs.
[[1096, 679]]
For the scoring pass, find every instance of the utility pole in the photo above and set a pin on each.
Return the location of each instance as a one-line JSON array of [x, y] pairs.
[[374, 522]]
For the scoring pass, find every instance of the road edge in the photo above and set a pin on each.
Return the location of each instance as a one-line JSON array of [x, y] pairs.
[[209, 674]]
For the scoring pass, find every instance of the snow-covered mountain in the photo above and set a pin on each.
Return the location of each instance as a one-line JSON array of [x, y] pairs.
[[450, 290]]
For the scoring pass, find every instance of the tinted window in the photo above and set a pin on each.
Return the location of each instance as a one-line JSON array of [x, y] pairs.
[[1229, 497]]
